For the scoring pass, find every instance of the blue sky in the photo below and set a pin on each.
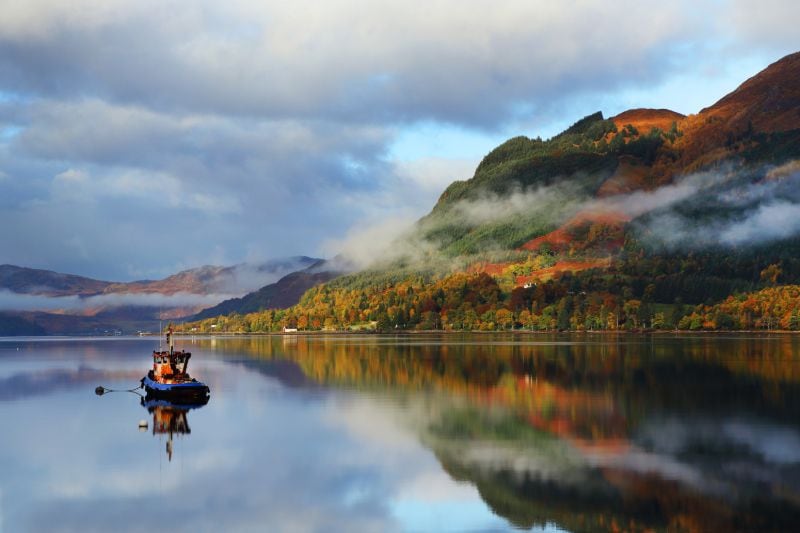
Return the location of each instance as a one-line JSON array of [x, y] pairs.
[[138, 138]]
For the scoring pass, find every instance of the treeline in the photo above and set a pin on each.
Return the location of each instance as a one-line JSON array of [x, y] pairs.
[[476, 302], [770, 308]]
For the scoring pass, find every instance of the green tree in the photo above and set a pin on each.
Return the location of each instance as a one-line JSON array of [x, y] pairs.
[[564, 313]]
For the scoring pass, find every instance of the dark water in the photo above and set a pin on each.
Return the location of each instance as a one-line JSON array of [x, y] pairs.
[[409, 433]]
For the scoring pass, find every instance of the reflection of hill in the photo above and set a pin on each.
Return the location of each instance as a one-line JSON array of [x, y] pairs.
[[532, 478], [639, 434], [526, 503], [615, 381], [641, 503], [528, 476]]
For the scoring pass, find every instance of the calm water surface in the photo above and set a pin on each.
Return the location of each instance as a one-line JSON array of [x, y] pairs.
[[406, 433]]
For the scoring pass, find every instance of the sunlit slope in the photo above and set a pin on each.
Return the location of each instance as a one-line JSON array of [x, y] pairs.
[[645, 220], [503, 206]]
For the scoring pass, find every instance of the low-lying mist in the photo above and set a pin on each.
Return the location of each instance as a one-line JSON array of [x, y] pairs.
[[730, 206], [210, 286], [422, 243], [11, 301], [247, 277], [742, 210]]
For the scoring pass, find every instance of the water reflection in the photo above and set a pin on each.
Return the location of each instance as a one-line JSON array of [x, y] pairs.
[[38, 382], [170, 418], [422, 433], [635, 434]]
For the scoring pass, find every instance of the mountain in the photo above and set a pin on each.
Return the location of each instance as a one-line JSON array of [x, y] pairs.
[[768, 103], [202, 280], [534, 186], [284, 293], [646, 219], [23, 280], [45, 302], [12, 324]]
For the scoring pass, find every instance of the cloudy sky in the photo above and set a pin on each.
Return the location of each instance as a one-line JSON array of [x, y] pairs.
[[140, 137]]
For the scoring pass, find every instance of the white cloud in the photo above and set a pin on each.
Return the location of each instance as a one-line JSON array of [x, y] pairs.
[[369, 241], [158, 188], [343, 59], [268, 125], [432, 175], [71, 177], [767, 22]]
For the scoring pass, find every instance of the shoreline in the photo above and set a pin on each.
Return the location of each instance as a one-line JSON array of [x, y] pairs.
[[411, 333], [478, 332]]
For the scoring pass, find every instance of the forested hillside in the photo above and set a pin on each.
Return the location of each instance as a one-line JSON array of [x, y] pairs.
[[649, 219]]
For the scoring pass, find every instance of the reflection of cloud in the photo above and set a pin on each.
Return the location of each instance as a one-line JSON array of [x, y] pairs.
[[257, 455], [379, 421], [435, 486], [47, 381], [714, 455], [244, 468], [775, 444], [552, 461], [262, 453], [661, 465]]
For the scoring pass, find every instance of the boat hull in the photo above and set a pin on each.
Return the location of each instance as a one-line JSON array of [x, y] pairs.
[[187, 404], [185, 391]]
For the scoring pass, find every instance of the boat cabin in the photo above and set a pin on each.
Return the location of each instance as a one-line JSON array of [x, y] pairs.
[[170, 364]]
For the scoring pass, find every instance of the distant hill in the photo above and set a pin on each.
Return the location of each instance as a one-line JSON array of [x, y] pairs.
[[48, 283], [207, 279], [55, 303], [12, 324], [284, 293]]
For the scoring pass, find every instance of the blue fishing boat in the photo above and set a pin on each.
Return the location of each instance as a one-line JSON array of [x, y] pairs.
[[169, 378]]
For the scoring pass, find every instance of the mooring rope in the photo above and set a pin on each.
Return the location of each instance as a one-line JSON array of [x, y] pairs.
[[100, 390]]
